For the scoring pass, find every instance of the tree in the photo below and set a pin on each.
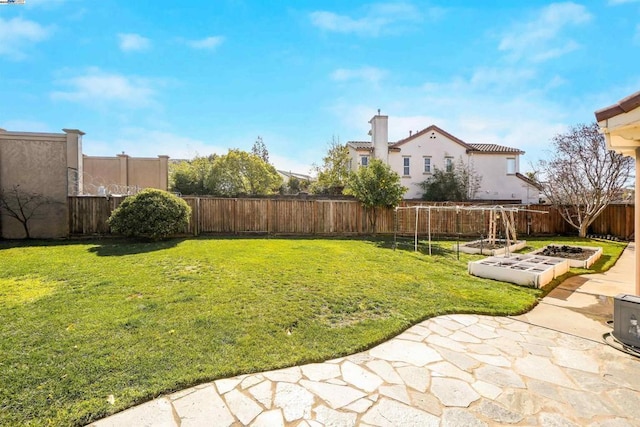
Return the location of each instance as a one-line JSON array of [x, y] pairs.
[[459, 184], [189, 177], [260, 149], [375, 186], [150, 213], [240, 173], [23, 206], [334, 171], [582, 177]]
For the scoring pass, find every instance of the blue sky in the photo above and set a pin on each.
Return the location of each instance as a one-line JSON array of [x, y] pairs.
[[199, 77]]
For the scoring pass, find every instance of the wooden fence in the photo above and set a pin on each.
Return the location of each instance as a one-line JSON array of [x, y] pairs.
[[88, 215]]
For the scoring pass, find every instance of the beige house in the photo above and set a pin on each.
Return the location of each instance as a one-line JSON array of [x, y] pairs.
[[415, 158], [620, 124], [52, 167]]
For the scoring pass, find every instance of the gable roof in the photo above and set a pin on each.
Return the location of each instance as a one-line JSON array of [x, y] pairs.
[[494, 148], [471, 148], [529, 181], [430, 129], [623, 106]]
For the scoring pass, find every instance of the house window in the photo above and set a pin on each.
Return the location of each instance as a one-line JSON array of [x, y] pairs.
[[406, 170], [511, 165], [427, 165], [364, 160], [448, 164]]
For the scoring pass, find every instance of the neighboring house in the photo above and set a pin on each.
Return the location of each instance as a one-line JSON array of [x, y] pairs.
[[286, 176], [415, 158]]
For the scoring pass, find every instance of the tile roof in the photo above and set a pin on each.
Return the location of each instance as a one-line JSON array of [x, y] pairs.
[[435, 129], [625, 105], [494, 148]]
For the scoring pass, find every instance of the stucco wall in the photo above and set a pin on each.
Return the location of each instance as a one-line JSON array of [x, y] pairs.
[[37, 163], [497, 184], [123, 174]]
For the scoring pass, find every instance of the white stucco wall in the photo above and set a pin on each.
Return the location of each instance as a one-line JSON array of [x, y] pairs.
[[497, 184], [431, 144]]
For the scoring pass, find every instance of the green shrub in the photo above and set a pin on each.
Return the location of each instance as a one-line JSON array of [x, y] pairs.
[[151, 213]]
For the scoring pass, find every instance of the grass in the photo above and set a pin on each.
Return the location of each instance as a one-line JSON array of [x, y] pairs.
[[80, 321]]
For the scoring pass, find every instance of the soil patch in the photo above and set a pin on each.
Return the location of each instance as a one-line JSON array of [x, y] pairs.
[[568, 252]]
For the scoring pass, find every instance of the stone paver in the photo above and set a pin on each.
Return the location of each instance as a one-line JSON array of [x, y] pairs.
[[455, 370]]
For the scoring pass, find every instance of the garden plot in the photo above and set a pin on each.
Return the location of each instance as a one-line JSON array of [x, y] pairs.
[[578, 256], [524, 270], [498, 247]]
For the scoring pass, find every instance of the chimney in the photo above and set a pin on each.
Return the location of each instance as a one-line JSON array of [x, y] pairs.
[[410, 132], [380, 137]]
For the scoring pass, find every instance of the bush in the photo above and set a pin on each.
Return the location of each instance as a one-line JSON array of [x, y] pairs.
[[151, 213]]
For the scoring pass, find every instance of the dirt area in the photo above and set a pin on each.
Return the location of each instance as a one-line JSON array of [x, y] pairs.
[[568, 252], [486, 245]]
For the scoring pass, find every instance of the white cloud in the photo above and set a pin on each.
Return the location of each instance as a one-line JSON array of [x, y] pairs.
[[97, 87], [373, 20], [367, 74], [541, 38], [17, 33], [209, 43], [131, 42]]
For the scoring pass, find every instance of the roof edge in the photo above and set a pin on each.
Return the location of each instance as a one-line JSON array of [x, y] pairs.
[[625, 105]]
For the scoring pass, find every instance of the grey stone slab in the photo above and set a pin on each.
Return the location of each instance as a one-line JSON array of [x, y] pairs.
[[360, 406], [521, 401], [486, 349], [360, 377], [426, 402], [446, 369], [547, 419], [389, 413], [507, 346], [335, 396], [448, 323], [263, 393], [500, 377], [329, 417], [545, 389], [397, 392], [243, 407], [464, 319], [538, 350], [454, 417], [203, 407], [385, 371], [481, 331], [438, 329], [516, 326], [461, 360], [586, 405], [499, 361], [445, 342], [289, 375], [542, 369], [615, 422], [157, 412], [627, 401], [411, 337], [295, 401], [464, 337], [418, 354], [271, 418], [320, 371], [588, 381], [251, 380], [487, 390], [498, 413], [453, 392], [415, 377], [225, 385], [575, 359]]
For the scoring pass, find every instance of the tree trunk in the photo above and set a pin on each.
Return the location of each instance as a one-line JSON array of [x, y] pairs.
[[582, 232], [26, 229]]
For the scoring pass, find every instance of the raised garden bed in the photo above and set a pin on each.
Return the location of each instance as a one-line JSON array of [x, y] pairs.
[[525, 270], [578, 256], [485, 248]]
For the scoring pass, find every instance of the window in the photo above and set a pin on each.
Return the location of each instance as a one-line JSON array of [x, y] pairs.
[[427, 165], [511, 165], [406, 170], [364, 160], [448, 164]]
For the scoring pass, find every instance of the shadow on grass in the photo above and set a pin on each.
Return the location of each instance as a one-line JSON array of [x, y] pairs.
[[132, 247], [409, 246]]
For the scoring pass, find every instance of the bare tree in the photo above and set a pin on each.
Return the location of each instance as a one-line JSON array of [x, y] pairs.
[[583, 177], [23, 205]]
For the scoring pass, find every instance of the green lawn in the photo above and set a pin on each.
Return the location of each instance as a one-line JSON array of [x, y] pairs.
[[83, 320]]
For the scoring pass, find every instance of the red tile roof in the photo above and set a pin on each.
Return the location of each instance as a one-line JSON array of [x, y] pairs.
[[625, 105], [494, 148]]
